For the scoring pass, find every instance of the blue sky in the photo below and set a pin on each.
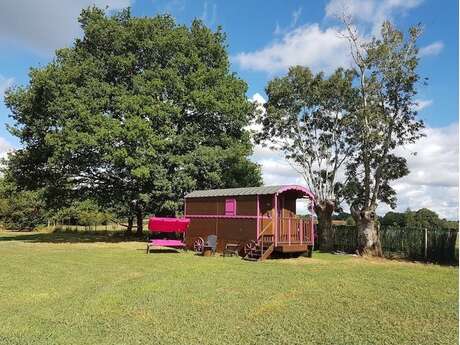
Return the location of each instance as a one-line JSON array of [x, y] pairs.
[[264, 38]]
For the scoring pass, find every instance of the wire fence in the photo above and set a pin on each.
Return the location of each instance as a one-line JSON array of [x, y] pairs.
[[434, 245], [111, 225], [89, 227]]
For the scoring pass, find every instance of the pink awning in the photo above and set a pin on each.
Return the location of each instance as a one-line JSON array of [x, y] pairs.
[[160, 224]]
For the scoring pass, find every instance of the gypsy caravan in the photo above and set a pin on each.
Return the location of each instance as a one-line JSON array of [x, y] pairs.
[[262, 220]]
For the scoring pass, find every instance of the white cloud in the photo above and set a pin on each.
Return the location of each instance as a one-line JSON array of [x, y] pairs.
[[258, 98], [323, 49], [422, 104], [209, 19], [278, 29], [432, 49], [432, 182], [433, 178], [5, 83], [307, 45], [295, 16], [5, 147], [277, 171], [46, 25], [435, 163], [173, 6], [358, 9], [369, 12]]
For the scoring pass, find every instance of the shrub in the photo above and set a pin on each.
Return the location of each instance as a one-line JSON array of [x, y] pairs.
[[23, 210]]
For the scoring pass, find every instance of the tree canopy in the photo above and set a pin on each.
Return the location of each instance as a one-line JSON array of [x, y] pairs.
[[307, 118], [353, 119], [137, 109], [385, 119]]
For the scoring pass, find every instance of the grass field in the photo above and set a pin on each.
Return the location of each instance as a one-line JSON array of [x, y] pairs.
[[69, 289]]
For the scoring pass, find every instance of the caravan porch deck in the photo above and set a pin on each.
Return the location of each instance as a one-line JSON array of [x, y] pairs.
[[292, 234]]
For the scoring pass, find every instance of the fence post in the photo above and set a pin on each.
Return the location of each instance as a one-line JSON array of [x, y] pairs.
[[426, 244]]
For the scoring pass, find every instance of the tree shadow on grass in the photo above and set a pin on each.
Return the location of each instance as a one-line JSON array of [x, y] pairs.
[[72, 236], [163, 251]]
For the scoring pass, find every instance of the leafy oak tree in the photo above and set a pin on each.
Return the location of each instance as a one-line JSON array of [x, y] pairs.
[[386, 119], [306, 118], [135, 114]]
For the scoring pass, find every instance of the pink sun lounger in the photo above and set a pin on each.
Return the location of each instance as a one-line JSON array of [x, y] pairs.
[[159, 225], [167, 243]]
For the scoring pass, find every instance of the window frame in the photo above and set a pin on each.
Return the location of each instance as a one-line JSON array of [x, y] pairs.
[[232, 202]]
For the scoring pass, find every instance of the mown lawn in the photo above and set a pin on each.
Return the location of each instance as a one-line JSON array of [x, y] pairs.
[[69, 290]]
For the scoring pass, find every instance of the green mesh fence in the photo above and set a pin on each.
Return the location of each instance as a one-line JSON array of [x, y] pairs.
[[440, 245]]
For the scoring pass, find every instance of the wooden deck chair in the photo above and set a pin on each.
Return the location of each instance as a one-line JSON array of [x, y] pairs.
[[211, 242]]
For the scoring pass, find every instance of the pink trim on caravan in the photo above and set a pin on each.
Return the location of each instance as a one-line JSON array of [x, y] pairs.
[[224, 216], [312, 226], [297, 188], [275, 217], [258, 216]]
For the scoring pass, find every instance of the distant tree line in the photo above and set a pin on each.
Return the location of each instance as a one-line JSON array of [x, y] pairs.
[[27, 210], [421, 219]]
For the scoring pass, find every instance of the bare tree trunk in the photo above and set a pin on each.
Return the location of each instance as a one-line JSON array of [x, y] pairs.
[[324, 210], [368, 232], [129, 228], [139, 221]]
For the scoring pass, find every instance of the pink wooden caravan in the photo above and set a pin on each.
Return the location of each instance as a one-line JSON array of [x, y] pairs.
[[260, 220]]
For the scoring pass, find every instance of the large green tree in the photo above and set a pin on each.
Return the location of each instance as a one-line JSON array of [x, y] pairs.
[[137, 112], [307, 118], [386, 119]]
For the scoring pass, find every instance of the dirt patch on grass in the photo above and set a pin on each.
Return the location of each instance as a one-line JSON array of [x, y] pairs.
[[350, 260], [301, 261], [385, 261]]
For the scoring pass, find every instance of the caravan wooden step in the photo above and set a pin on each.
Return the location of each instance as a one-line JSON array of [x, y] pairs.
[[258, 255], [268, 252], [291, 248], [250, 258]]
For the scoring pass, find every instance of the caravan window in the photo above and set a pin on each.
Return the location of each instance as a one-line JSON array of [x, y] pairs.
[[230, 207]]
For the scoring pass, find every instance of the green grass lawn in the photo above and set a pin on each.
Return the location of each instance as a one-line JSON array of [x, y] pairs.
[[67, 289]]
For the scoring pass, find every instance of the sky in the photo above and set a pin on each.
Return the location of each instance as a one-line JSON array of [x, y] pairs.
[[264, 38]]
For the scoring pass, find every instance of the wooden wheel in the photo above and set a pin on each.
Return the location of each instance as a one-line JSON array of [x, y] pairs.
[[250, 247], [198, 245]]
